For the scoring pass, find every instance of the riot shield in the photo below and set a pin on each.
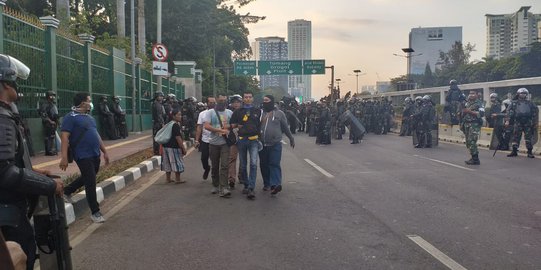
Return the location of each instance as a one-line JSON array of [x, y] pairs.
[[435, 132], [415, 137], [497, 140], [535, 130], [356, 127], [52, 236]]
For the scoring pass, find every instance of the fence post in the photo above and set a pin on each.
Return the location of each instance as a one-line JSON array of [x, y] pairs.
[[51, 24], [2, 4], [88, 40]]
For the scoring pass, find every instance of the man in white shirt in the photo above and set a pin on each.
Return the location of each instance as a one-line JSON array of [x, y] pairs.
[[202, 138]]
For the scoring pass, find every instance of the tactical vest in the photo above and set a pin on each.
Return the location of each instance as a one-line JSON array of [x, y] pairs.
[[523, 110]]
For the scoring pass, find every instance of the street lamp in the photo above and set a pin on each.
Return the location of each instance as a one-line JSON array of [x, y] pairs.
[[357, 71], [408, 56]]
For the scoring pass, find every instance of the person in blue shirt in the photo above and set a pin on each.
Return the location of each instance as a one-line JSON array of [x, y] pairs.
[[80, 134]]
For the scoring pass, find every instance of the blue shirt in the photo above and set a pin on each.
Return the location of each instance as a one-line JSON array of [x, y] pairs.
[[89, 145]]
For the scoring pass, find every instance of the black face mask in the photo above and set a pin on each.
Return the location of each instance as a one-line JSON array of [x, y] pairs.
[[268, 106], [220, 106]]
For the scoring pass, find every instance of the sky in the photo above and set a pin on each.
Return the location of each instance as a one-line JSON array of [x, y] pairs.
[[364, 34]]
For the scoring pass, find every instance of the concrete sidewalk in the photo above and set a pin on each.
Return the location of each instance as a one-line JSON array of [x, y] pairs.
[[117, 149]]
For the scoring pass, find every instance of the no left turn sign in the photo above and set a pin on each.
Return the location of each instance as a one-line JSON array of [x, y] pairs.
[[159, 52]]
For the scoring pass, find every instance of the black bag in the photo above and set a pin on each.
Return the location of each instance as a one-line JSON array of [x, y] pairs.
[[75, 143], [230, 138]]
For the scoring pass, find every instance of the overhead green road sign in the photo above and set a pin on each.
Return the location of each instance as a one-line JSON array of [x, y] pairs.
[[314, 67], [245, 68], [289, 67]]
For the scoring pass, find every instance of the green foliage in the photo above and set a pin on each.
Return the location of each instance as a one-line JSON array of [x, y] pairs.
[[456, 66]]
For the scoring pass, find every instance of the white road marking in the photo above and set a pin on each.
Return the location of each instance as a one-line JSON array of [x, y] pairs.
[[321, 170], [436, 253], [446, 163]]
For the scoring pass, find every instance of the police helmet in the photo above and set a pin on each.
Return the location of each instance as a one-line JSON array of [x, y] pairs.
[[522, 91], [158, 94], [453, 82], [494, 95], [235, 98], [117, 98], [418, 98], [427, 98], [506, 103], [191, 99], [11, 69], [50, 93], [407, 100]]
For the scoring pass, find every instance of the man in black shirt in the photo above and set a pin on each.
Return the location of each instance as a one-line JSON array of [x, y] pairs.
[[248, 121]]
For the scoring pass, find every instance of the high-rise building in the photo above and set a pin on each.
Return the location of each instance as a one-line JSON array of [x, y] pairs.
[[428, 42], [508, 34], [299, 35], [271, 48]]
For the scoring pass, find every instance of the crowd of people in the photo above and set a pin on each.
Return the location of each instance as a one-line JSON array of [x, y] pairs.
[[230, 131]]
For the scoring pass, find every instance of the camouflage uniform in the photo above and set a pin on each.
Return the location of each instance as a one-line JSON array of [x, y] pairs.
[[471, 125], [523, 116]]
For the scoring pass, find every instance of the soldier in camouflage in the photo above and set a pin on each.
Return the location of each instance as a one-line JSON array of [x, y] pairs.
[[472, 120], [523, 115]]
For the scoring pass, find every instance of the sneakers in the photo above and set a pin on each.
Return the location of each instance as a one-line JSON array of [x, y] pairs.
[[277, 189], [232, 184], [67, 199], [251, 195], [225, 192], [97, 217], [245, 191], [214, 190], [206, 174], [266, 188]]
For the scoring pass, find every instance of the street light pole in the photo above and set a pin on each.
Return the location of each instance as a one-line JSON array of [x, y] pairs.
[[132, 34], [357, 71]]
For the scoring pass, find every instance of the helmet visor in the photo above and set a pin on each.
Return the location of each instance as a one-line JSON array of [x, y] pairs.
[[22, 71]]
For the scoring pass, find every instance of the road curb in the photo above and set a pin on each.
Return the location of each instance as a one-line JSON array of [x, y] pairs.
[[109, 186]]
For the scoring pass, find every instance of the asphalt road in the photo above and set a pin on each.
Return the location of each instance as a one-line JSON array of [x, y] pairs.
[[378, 205]]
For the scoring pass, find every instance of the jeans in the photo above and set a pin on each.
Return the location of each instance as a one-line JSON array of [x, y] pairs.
[[204, 148], [89, 167], [246, 147], [219, 157], [269, 160]]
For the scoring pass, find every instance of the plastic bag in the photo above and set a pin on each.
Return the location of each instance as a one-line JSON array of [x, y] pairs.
[[164, 134]]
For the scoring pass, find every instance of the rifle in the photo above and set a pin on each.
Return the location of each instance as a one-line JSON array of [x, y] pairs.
[[52, 232]]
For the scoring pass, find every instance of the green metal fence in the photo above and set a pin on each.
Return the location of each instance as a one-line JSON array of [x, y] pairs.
[[68, 64]]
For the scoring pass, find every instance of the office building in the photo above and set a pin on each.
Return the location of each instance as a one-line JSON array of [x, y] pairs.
[[299, 34], [271, 48], [509, 34], [428, 42]]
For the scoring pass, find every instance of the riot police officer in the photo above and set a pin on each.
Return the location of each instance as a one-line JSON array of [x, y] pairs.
[[405, 128], [107, 121], [120, 118], [158, 119], [453, 101], [49, 118], [523, 115], [19, 183]]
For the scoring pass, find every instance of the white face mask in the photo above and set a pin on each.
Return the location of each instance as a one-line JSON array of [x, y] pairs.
[[91, 106]]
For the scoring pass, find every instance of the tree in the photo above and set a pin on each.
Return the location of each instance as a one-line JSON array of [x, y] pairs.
[[457, 56], [428, 78], [63, 12]]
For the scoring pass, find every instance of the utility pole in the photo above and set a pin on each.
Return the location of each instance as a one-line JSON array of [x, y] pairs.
[[332, 81], [357, 71], [408, 56], [159, 35], [134, 86]]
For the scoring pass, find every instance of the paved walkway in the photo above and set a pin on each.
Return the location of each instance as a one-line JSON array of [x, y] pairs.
[[117, 150]]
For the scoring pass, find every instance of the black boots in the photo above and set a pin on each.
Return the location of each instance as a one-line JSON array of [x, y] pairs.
[[473, 161], [530, 154], [514, 153]]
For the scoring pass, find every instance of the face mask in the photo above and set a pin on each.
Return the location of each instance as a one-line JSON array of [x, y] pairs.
[[91, 106], [268, 106], [220, 106], [211, 105]]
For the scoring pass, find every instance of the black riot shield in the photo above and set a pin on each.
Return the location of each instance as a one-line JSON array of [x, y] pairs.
[[356, 127], [435, 131], [52, 236], [497, 140], [535, 130]]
